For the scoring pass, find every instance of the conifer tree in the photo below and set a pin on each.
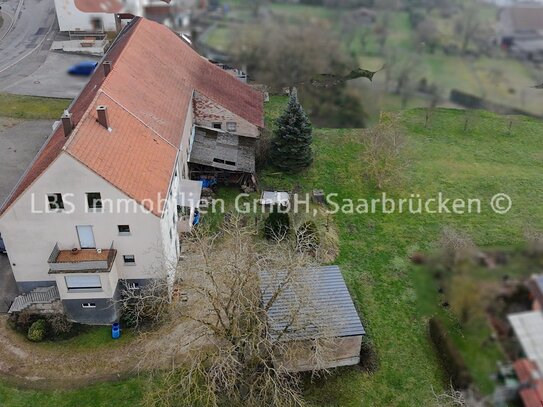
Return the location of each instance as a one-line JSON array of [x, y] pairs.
[[291, 147]]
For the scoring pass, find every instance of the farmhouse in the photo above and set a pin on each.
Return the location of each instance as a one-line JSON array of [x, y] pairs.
[[520, 30], [317, 307], [101, 205], [97, 17]]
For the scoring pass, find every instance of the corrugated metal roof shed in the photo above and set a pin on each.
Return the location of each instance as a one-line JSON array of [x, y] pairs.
[[317, 304], [528, 327]]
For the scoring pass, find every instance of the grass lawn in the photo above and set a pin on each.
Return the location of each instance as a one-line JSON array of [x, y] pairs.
[[94, 338], [30, 107], [124, 393], [396, 302]]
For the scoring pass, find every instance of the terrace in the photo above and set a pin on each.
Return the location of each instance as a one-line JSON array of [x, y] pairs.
[[81, 260]]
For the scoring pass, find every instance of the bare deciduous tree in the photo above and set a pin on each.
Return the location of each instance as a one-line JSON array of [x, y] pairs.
[[467, 26], [384, 153], [456, 246], [459, 398], [241, 359]]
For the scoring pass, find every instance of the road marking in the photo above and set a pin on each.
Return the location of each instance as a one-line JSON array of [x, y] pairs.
[[29, 52], [11, 24]]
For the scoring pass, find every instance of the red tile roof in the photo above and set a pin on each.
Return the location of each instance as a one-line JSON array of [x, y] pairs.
[[147, 93], [532, 397], [99, 6], [526, 370]]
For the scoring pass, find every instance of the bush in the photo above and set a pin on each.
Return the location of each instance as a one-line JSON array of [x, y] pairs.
[[37, 331], [277, 225], [21, 321], [451, 359], [307, 237], [60, 327]]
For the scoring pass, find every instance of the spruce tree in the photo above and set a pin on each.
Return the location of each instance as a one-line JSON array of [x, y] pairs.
[[291, 147]]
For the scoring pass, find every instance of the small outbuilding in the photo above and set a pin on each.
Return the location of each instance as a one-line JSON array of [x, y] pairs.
[[315, 306]]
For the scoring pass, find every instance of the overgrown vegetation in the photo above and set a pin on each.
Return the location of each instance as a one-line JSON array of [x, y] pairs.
[[449, 355]]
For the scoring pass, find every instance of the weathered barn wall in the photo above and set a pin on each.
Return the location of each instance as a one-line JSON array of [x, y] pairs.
[[345, 351], [223, 150]]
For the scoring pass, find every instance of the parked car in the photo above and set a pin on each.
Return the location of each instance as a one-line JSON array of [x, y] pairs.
[[2, 246], [84, 68]]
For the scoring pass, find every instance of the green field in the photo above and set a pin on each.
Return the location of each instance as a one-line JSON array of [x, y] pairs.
[[500, 80], [394, 301], [396, 304], [30, 107]]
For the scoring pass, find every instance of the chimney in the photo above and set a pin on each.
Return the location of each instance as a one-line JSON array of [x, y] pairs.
[[107, 67], [102, 116], [67, 123]]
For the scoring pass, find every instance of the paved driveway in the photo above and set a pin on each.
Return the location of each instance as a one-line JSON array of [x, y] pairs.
[[8, 288], [51, 79], [20, 141]]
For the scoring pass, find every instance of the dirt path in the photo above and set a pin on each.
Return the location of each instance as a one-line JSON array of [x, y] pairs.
[[35, 365]]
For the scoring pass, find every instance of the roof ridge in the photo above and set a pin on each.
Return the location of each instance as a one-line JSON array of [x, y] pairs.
[[136, 23], [75, 131], [137, 118]]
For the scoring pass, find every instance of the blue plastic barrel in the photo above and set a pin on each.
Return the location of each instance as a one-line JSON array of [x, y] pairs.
[[116, 331], [196, 220]]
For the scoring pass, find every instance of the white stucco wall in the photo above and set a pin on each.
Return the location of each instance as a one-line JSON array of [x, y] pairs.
[[30, 237], [71, 19]]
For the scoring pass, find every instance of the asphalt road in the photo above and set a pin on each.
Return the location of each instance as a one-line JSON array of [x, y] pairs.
[[25, 47]]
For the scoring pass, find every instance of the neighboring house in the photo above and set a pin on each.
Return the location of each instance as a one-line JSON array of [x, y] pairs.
[[528, 329], [103, 201], [530, 383], [318, 306], [520, 30], [96, 17], [86, 17]]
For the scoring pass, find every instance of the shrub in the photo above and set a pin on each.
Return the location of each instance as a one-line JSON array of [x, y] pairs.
[[37, 331], [21, 321], [60, 327], [307, 237], [277, 225], [451, 359]]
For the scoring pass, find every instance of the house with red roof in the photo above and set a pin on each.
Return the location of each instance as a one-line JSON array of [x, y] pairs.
[[101, 205]]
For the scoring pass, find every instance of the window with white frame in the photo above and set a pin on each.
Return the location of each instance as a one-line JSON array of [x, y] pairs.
[[133, 286], [88, 305], [124, 230], [129, 259], [91, 282], [231, 127]]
